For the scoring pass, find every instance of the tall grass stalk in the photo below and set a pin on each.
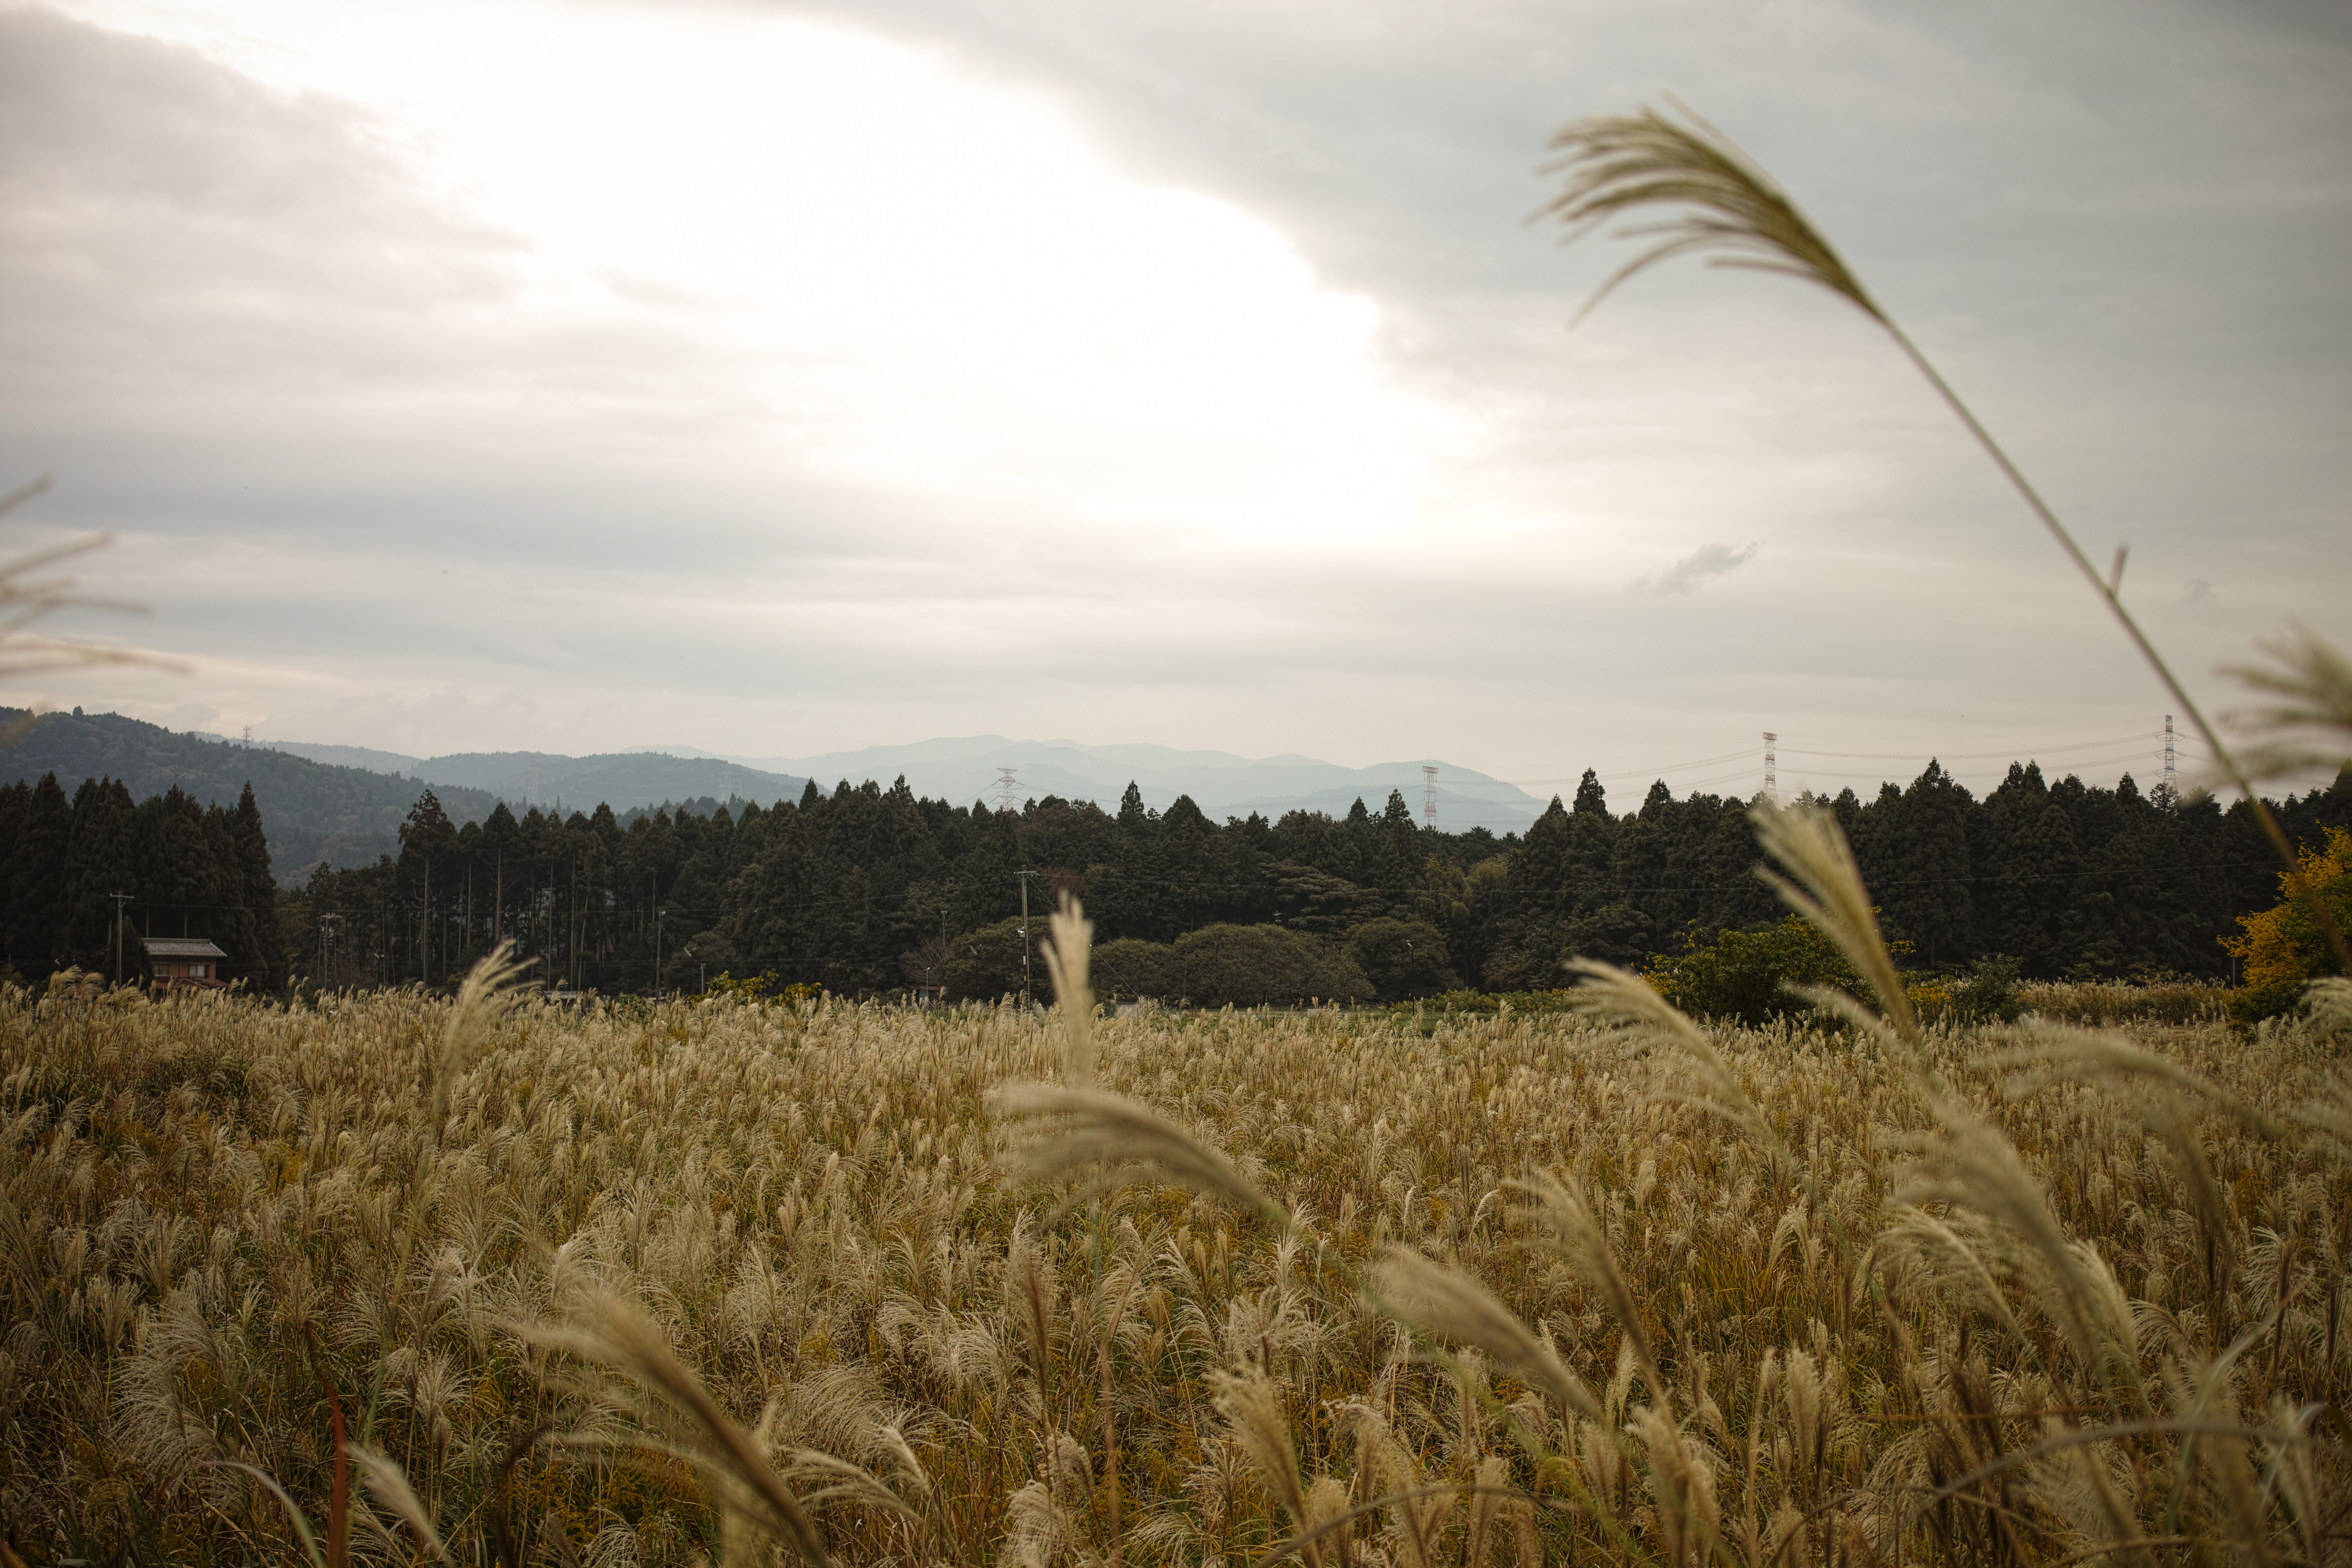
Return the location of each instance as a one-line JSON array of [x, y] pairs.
[[1719, 202], [31, 591]]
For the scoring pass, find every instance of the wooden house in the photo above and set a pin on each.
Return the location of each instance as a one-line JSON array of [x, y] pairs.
[[187, 962]]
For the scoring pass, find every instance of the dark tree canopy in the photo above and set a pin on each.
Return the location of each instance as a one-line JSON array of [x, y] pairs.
[[859, 888]]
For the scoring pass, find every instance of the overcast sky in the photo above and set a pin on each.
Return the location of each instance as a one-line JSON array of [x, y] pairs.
[[784, 378]]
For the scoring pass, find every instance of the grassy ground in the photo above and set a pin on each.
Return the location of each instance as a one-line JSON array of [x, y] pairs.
[[1834, 1336]]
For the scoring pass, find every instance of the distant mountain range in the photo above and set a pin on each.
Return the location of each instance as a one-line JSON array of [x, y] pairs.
[[311, 812], [619, 779], [964, 770], [1221, 783], [345, 804]]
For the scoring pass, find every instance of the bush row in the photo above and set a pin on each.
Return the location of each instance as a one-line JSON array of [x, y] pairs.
[[1386, 959]]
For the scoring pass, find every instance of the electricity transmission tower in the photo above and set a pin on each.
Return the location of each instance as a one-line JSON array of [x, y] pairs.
[[1429, 792], [1771, 767], [2171, 778], [1005, 788]]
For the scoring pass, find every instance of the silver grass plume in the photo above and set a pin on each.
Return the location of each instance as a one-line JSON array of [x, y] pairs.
[[1820, 880], [1635, 1009], [615, 1333], [2330, 1112], [1067, 957], [2330, 1000], [1632, 1007], [2307, 723], [1451, 1304], [1074, 1131], [483, 998], [1107, 1141], [1970, 1165], [2167, 1097], [1253, 1408], [28, 595], [1575, 1231], [1617, 164], [1724, 205], [385, 1479]]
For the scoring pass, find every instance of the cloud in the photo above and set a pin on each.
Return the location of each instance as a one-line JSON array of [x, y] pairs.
[[792, 375], [1701, 566]]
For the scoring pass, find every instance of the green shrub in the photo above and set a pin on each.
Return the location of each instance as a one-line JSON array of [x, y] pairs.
[[1988, 995], [1741, 976], [1263, 965], [1130, 968], [1522, 1003], [1402, 958], [985, 965], [1245, 965]]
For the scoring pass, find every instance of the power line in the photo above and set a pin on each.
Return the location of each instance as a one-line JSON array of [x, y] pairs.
[[2150, 756], [2012, 753], [1629, 773], [1749, 753]]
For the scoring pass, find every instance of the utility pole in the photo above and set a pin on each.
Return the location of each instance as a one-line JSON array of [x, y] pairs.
[[1024, 877], [119, 899], [1771, 767], [658, 914]]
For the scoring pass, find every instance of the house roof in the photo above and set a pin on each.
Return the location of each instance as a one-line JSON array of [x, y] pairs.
[[183, 947]]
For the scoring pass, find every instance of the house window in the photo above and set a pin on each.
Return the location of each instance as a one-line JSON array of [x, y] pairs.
[[199, 971]]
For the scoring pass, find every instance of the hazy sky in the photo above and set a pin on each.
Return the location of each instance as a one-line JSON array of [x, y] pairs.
[[783, 378]]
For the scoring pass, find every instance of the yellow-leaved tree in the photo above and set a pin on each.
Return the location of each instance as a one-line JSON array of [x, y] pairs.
[[2283, 947]]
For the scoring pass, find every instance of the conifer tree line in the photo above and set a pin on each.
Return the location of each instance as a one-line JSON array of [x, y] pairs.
[[188, 869], [865, 890]]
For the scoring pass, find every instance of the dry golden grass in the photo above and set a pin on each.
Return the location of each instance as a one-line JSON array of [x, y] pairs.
[[1837, 1335]]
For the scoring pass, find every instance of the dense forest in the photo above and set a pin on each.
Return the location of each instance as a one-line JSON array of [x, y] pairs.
[[186, 869], [867, 890]]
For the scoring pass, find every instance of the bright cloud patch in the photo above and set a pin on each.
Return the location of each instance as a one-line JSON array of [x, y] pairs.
[[920, 281]]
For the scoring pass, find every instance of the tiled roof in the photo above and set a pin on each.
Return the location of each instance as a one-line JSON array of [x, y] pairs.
[[183, 947]]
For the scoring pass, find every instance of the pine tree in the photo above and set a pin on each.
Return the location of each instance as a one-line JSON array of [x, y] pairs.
[[426, 838], [1926, 900], [103, 861], [259, 889], [37, 880]]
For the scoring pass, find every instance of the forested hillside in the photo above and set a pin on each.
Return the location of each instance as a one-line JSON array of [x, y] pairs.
[[522, 779], [868, 888], [314, 812], [186, 868]]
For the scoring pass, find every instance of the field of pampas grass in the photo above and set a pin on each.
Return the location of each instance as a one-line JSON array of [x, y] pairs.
[[729, 1283]]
